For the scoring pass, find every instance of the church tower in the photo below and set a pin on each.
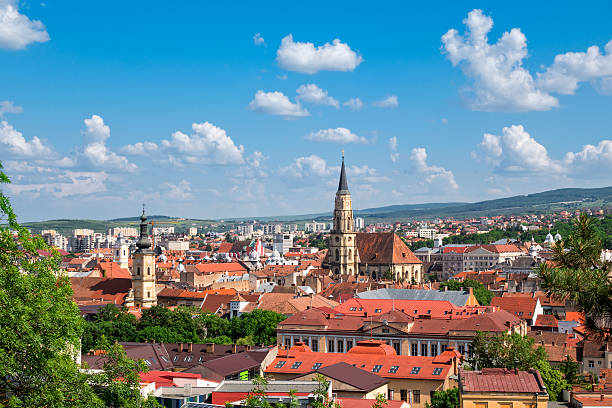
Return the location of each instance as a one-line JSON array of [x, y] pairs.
[[121, 252], [342, 257], [143, 270]]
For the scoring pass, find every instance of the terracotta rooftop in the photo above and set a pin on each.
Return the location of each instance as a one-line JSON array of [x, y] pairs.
[[523, 307], [383, 248], [501, 380]]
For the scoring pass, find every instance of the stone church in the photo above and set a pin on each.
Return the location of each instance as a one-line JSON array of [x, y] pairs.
[[360, 253]]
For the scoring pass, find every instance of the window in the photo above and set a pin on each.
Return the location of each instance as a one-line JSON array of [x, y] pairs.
[[165, 359], [175, 358], [147, 362], [330, 346], [414, 349], [352, 309], [437, 371], [200, 359], [434, 350], [404, 395], [462, 349], [377, 310], [376, 368], [390, 395], [415, 370], [287, 342], [424, 349], [296, 365], [314, 344], [591, 363], [340, 346], [316, 366], [443, 347], [148, 294], [280, 364], [481, 405], [397, 347], [138, 271], [393, 369], [349, 345], [505, 405], [599, 362], [385, 330], [188, 359], [148, 270], [416, 396]]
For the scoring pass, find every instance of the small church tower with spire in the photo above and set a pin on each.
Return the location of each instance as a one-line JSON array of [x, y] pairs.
[[143, 294], [342, 257]]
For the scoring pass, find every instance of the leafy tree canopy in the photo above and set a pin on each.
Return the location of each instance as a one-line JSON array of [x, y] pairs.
[[445, 399]]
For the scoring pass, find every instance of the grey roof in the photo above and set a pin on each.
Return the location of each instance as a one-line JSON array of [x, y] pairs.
[[273, 386], [456, 297], [504, 241], [343, 184]]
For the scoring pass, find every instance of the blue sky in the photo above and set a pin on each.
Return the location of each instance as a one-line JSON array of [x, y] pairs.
[[105, 105]]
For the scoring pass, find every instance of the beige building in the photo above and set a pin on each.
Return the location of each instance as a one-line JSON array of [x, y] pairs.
[[143, 293]]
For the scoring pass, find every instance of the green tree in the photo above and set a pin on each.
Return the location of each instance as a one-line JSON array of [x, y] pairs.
[[381, 401], [259, 324], [40, 326], [553, 378], [482, 294], [569, 367], [579, 275], [256, 398], [321, 398], [213, 324], [119, 383], [516, 351], [112, 323], [162, 324], [445, 399]]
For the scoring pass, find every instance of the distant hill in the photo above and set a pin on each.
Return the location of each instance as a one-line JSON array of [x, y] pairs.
[[566, 198]]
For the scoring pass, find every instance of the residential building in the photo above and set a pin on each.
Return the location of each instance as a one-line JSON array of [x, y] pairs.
[[282, 243]]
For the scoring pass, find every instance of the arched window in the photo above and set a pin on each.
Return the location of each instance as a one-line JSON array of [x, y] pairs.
[[148, 294], [148, 270], [337, 255], [138, 271], [350, 255]]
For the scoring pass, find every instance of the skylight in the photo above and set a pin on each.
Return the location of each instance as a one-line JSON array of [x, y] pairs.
[[295, 365], [437, 371], [376, 368], [316, 366], [415, 370], [393, 369], [280, 364]]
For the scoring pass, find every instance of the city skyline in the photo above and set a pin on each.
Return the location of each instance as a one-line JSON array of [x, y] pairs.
[[206, 112]]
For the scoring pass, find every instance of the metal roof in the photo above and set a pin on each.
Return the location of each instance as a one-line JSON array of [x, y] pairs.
[[456, 297]]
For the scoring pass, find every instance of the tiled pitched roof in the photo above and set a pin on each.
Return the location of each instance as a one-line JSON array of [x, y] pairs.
[[113, 270], [547, 321], [523, 307], [383, 248], [112, 290], [501, 380]]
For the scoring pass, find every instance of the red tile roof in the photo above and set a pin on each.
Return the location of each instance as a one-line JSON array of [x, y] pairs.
[[523, 307], [383, 248], [501, 380], [546, 321]]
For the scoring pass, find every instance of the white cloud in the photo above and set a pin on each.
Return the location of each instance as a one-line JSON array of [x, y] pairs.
[[354, 103], [311, 93], [180, 191], [276, 103], [338, 135], [500, 81], [307, 166], [304, 57], [516, 151], [258, 39], [95, 150], [9, 107], [394, 155], [568, 69], [70, 184], [592, 161], [389, 102], [19, 146], [140, 148], [365, 174], [433, 176], [208, 144], [17, 31]]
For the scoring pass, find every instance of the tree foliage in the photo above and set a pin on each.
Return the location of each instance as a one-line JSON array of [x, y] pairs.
[[445, 399], [482, 294], [579, 275], [569, 367]]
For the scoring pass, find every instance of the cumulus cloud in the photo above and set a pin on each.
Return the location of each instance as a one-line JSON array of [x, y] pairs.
[[140, 148], [17, 31], [394, 155], [311, 93], [354, 103], [500, 80], [16, 143], [306, 58], [433, 176], [571, 68], [365, 174], [592, 161], [70, 183], [95, 150], [258, 39], [517, 152], [207, 144], [307, 166], [389, 102], [9, 107], [338, 135], [180, 191], [276, 103]]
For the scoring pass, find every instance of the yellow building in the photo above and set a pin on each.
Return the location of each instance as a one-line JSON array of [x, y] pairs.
[[502, 388]]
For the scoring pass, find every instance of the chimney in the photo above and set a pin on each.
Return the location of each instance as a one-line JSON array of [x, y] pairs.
[[180, 347], [234, 348], [190, 347], [446, 288], [210, 347]]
